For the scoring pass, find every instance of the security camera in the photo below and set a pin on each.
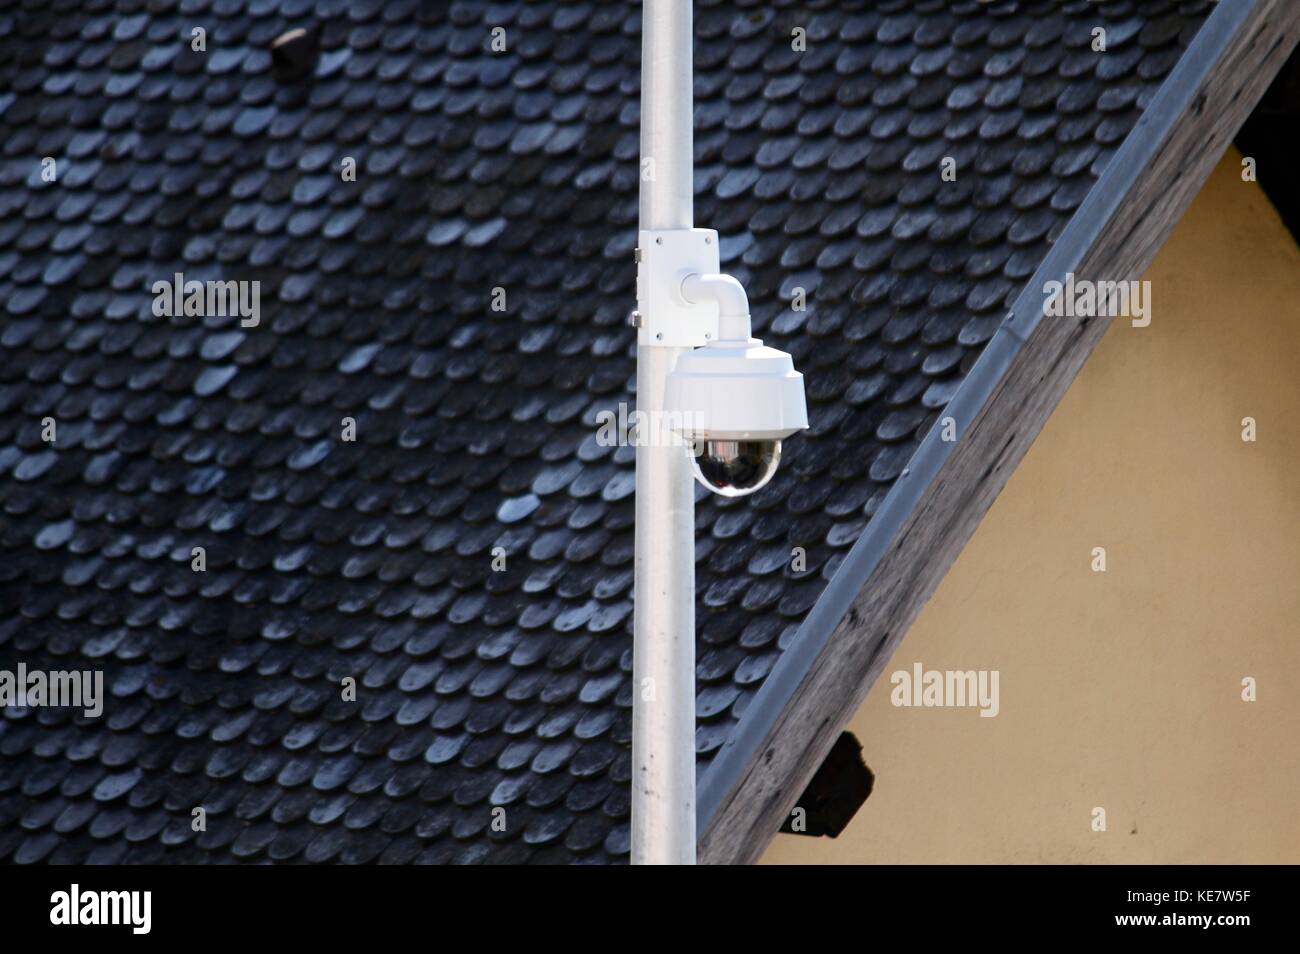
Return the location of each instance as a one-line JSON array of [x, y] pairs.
[[734, 468], [733, 400]]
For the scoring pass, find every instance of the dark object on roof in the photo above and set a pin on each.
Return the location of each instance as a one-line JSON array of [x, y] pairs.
[[491, 720], [294, 52], [1268, 137], [836, 792]]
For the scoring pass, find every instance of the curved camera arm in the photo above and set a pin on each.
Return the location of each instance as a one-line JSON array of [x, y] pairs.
[[729, 294]]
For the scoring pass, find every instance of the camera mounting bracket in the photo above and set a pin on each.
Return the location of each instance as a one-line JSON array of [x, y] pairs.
[[665, 257]]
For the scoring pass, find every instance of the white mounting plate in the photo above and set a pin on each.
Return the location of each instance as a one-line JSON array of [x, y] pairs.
[[666, 257]]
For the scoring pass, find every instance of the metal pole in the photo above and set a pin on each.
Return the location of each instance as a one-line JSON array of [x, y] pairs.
[[663, 654]]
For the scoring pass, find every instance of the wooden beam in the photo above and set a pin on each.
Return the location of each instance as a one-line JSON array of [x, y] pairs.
[[1031, 362]]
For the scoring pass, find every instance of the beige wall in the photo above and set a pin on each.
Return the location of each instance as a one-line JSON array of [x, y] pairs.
[[1123, 689]]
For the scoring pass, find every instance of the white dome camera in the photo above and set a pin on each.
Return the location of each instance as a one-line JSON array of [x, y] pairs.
[[733, 400]]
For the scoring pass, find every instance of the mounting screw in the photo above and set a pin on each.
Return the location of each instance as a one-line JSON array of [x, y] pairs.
[[659, 241]]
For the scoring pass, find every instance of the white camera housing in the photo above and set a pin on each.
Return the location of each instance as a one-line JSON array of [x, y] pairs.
[[736, 390], [733, 400]]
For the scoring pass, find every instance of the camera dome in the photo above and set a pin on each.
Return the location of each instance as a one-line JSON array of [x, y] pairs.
[[733, 468]]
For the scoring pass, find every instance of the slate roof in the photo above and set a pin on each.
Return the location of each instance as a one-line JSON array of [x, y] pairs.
[[475, 429]]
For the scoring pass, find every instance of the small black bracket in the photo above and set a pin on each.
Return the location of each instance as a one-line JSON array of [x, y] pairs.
[[835, 793]]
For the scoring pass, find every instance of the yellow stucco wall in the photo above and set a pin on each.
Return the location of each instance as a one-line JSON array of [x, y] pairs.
[[1122, 689]]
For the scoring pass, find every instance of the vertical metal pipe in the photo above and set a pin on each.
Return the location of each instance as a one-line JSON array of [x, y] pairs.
[[663, 654], [667, 115]]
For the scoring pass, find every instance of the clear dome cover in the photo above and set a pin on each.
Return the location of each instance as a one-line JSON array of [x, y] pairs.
[[735, 468]]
